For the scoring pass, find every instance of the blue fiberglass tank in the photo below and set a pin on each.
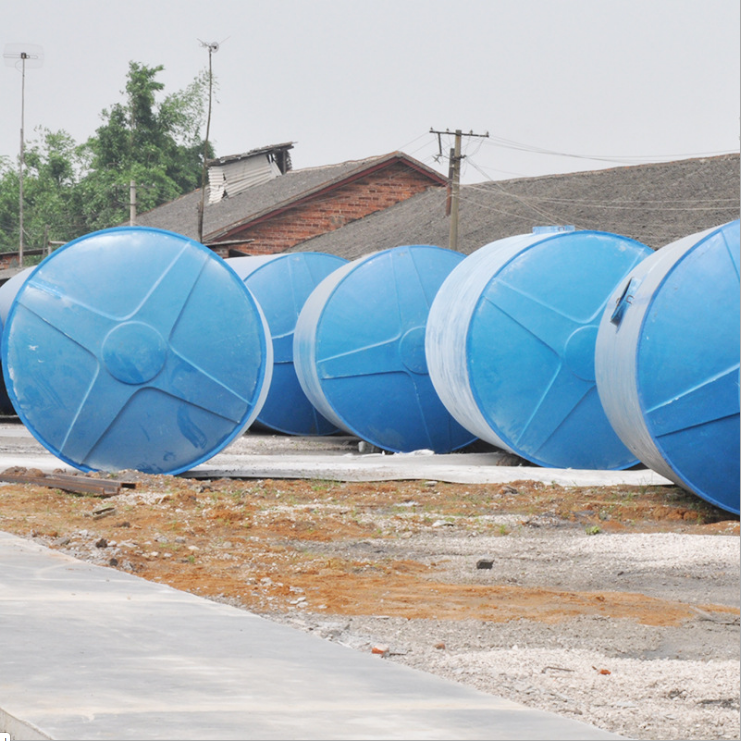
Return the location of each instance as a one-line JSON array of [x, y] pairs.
[[667, 363], [8, 291], [6, 405], [510, 345], [120, 353], [359, 350], [281, 284]]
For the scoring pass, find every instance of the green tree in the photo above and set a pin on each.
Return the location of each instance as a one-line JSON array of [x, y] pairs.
[[157, 145], [8, 205], [150, 138], [50, 176]]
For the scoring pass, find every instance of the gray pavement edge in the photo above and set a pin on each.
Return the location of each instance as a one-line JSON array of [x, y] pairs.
[[87, 652]]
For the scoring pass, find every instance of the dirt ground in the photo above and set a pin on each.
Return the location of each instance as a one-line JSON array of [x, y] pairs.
[[445, 576]]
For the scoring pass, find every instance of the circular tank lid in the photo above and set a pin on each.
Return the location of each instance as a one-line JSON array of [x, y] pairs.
[[523, 314], [120, 352], [359, 350], [281, 284], [687, 366]]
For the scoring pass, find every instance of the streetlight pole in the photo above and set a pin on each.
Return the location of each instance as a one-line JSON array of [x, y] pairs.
[[24, 56], [34, 56]]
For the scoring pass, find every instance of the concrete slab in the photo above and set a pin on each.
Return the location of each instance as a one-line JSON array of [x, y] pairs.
[[268, 456], [469, 468], [91, 653]]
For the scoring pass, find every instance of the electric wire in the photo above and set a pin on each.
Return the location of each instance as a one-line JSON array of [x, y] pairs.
[[524, 201], [498, 141]]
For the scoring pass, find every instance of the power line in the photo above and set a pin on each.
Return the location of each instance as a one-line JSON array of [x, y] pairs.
[[498, 141], [523, 201]]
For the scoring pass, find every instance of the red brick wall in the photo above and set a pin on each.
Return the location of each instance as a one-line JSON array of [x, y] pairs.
[[325, 213]]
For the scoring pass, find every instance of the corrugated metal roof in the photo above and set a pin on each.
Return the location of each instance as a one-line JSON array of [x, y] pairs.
[[238, 175], [272, 148]]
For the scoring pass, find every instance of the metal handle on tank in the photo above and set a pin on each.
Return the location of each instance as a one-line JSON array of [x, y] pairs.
[[625, 300]]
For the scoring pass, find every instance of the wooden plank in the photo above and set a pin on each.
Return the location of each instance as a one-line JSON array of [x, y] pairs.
[[68, 482]]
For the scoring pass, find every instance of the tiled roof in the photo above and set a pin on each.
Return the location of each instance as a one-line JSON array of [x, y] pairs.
[[181, 215], [655, 204]]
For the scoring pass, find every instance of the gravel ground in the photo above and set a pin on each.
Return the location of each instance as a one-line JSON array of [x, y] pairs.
[[614, 606], [641, 681]]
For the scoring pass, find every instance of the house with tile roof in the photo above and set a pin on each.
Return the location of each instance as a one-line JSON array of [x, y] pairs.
[[653, 203], [258, 205]]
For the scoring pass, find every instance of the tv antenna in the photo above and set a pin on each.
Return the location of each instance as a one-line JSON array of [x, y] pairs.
[[213, 47], [21, 56]]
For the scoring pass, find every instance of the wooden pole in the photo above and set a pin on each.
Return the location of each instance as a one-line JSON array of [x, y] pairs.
[[455, 185]]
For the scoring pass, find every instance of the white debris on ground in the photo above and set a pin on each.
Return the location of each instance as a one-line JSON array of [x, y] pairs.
[[640, 681]]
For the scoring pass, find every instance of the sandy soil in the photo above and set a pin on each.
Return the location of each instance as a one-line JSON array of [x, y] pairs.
[[616, 606]]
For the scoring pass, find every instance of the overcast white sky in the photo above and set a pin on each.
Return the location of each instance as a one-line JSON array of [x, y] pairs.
[[625, 81]]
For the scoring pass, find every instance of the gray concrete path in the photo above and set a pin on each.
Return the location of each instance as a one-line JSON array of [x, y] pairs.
[[469, 468], [88, 652], [267, 456]]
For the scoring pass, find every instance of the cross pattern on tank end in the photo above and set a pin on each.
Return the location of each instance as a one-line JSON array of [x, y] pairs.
[[716, 396], [132, 353], [389, 295], [531, 334], [569, 340]]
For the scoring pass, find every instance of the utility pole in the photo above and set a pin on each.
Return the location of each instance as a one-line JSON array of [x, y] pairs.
[[455, 186], [451, 207], [132, 202]]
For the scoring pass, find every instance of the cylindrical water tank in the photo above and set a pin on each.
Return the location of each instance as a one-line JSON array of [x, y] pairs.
[[6, 406], [359, 350], [120, 352], [667, 363], [8, 291], [510, 345], [281, 284]]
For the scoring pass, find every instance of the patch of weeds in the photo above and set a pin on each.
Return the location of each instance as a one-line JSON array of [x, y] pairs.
[[593, 530], [322, 485]]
